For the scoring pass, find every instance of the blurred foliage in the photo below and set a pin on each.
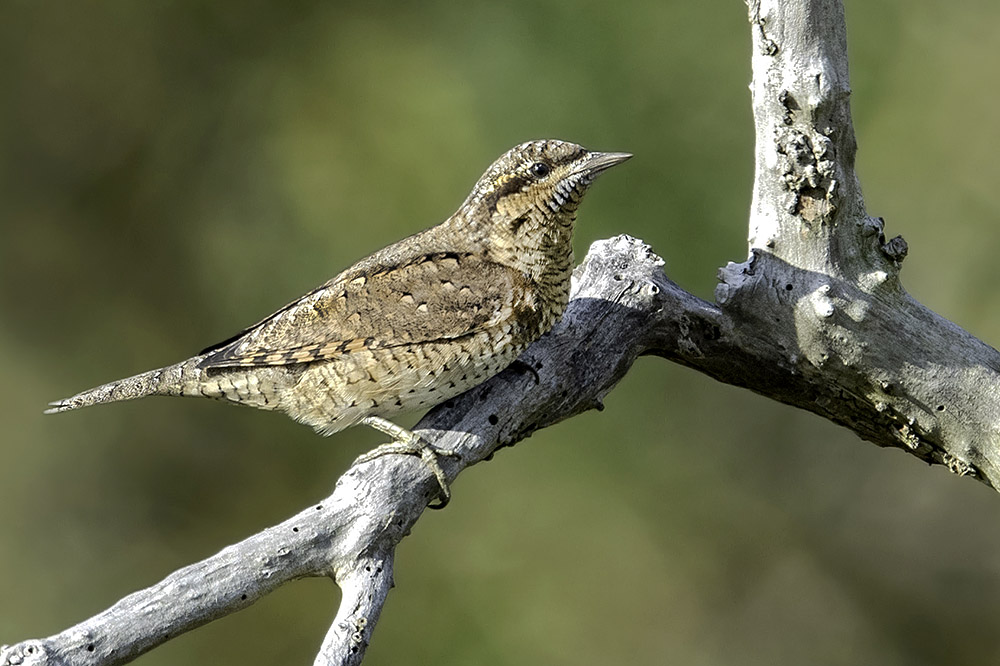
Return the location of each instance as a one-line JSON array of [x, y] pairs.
[[172, 171]]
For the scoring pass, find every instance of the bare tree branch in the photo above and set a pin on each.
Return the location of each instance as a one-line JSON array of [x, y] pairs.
[[842, 337], [815, 318], [351, 536]]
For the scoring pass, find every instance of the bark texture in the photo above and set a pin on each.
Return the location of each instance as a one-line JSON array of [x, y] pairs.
[[822, 283], [816, 318], [351, 536]]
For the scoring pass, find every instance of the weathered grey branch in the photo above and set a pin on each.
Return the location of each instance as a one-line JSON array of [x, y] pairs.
[[351, 536], [815, 318], [821, 291]]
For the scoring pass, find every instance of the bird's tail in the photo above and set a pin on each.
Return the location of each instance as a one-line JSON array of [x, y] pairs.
[[175, 379]]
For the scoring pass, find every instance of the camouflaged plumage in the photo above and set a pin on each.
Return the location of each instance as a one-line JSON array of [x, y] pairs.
[[415, 323]]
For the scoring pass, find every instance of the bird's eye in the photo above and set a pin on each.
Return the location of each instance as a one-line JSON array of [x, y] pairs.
[[540, 169]]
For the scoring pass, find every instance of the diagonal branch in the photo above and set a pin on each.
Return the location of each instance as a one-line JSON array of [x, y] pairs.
[[351, 536]]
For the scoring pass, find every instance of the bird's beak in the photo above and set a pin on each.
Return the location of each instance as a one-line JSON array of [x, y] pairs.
[[595, 163]]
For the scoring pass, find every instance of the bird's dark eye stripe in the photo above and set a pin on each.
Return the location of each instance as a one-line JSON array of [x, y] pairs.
[[508, 186]]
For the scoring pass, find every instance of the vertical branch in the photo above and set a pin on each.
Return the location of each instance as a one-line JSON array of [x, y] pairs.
[[364, 589], [807, 207], [821, 287]]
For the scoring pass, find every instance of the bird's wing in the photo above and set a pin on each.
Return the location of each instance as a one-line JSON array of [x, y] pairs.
[[430, 297]]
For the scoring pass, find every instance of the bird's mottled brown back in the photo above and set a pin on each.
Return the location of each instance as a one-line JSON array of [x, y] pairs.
[[432, 297]]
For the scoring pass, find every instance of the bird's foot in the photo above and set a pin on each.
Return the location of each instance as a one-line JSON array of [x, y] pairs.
[[407, 442]]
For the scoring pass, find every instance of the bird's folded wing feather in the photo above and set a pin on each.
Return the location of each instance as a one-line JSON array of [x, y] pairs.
[[430, 297]]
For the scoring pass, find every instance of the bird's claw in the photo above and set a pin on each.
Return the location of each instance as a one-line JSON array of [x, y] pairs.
[[407, 442]]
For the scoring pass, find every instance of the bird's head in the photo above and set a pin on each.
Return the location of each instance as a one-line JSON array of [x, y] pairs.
[[543, 179], [525, 204]]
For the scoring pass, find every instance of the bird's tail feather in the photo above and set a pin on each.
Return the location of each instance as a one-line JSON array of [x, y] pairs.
[[171, 380]]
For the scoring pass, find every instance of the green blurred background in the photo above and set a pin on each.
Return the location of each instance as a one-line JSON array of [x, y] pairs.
[[172, 171]]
